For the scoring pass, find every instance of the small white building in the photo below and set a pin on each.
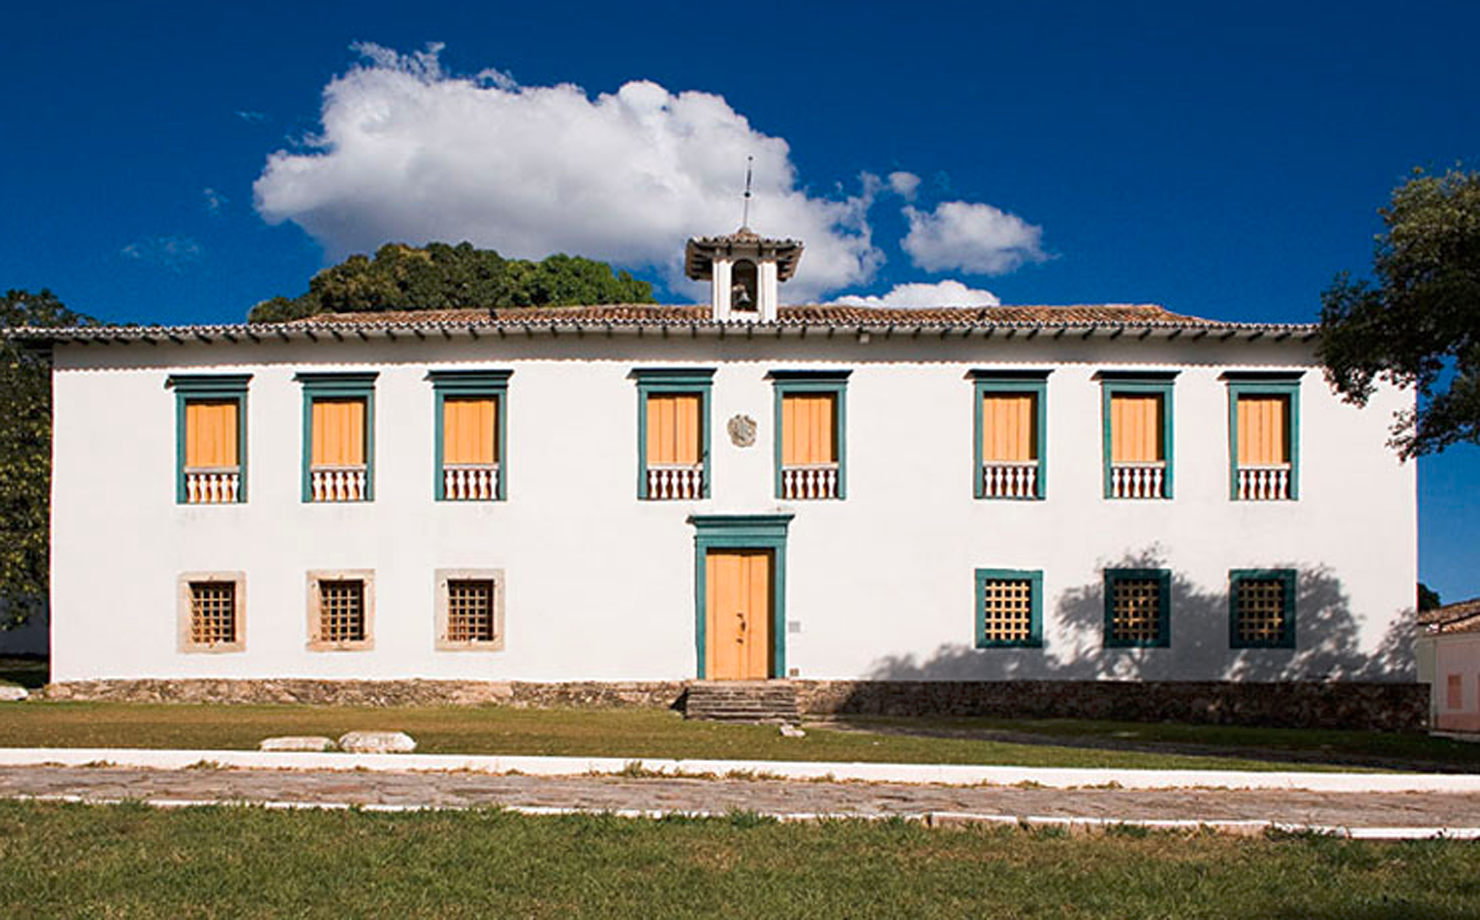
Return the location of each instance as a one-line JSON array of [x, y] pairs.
[[735, 490], [1448, 650]]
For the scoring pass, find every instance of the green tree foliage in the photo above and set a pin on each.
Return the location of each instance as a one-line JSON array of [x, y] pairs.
[[1428, 598], [442, 277], [25, 455], [1420, 324]]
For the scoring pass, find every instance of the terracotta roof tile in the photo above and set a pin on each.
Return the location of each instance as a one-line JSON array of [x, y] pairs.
[[620, 314], [1463, 616]]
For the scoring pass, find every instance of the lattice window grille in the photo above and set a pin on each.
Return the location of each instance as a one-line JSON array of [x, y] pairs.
[[342, 611], [212, 612], [1136, 610], [1007, 610], [470, 613], [1261, 610]]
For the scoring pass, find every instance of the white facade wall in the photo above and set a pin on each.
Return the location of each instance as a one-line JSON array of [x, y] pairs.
[[600, 585]]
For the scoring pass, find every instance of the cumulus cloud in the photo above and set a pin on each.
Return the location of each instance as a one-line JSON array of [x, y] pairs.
[[971, 237], [905, 184], [407, 151], [939, 294], [173, 252], [250, 116]]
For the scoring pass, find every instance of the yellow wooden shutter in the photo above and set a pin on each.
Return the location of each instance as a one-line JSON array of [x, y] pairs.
[[338, 432], [1263, 430], [808, 428], [1009, 427], [1135, 427], [468, 430], [673, 428], [210, 433]]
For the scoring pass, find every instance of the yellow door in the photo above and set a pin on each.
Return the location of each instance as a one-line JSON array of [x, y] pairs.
[[738, 604]]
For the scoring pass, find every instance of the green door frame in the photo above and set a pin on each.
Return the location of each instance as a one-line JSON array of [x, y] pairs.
[[741, 531]]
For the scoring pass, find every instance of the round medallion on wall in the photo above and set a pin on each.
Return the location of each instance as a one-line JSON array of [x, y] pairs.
[[742, 430]]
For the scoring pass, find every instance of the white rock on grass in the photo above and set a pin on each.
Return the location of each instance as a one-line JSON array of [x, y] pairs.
[[297, 743], [791, 731], [377, 743], [12, 692]]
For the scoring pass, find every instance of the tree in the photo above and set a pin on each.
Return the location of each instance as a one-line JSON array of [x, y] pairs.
[[25, 455], [1420, 325], [1428, 598], [443, 277]]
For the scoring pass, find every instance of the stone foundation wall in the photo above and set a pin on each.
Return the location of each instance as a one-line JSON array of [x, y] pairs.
[[1361, 706], [651, 694], [1345, 705]]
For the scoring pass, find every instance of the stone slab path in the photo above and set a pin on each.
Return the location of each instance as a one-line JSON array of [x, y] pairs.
[[1401, 814]]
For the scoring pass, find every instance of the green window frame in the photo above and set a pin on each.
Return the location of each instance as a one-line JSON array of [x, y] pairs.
[[1034, 577], [664, 380], [1163, 579], [1161, 383], [330, 385], [1264, 383], [834, 383], [492, 384], [1286, 579], [216, 388], [741, 531], [1033, 382]]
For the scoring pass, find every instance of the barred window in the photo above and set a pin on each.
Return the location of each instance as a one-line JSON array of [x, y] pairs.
[[470, 611], [212, 612], [1137, 607], [1261, 608], [342, 611], [1009, 608]]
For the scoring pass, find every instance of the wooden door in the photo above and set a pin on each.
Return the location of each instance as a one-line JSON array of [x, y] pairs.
[[738, 614]]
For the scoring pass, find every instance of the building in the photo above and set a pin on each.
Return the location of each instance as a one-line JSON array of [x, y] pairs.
[[734, 490], [1448, 651]]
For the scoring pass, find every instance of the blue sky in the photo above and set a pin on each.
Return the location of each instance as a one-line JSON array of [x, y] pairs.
[[1222, 160]]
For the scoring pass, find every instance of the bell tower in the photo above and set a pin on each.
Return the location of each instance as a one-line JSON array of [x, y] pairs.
[[744, 270]]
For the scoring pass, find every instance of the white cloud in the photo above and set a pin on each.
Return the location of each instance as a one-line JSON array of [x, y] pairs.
[[251, 117], [214, 201], [940, 294], [971, 237], [173, 252], [904, 184], [407, 151]]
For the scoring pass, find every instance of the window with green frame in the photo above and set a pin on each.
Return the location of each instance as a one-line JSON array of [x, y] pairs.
[[1010, 421], [471, 425], [1009, 608], [1261, 608], [1263, 435], [1137, 433], [811, 434], [210, 438], [673, 433], [1138, 611], [338, 436]]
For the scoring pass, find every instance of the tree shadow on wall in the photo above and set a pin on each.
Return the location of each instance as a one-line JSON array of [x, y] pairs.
[[1328, 641]]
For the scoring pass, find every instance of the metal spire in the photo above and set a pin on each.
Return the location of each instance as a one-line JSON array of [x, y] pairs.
[[745, 221]]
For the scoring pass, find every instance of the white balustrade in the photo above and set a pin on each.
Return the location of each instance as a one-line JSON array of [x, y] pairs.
[[470, 482], [817, 480], [338, 483], [1138, 480], [675, 481], [212, 486], [1269, 483], [1010, 479]]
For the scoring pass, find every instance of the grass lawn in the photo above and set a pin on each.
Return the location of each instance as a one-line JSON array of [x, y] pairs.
[[626, 733], [130, 860]]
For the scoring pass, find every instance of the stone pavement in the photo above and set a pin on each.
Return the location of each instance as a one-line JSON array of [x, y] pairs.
[[941, 804]]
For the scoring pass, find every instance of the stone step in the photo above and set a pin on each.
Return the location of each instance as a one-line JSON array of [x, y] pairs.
[[741, 701]]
